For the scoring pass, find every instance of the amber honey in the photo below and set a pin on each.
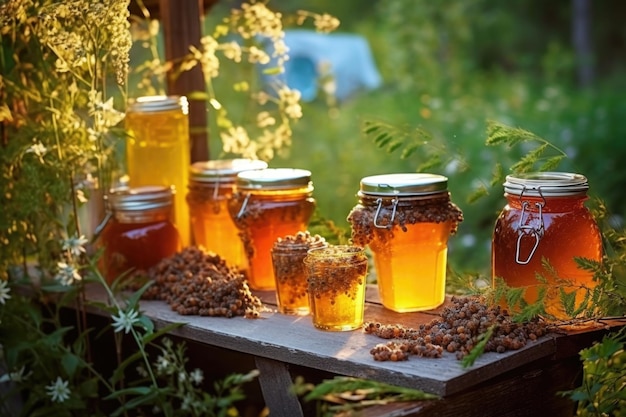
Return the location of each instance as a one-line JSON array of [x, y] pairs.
[[269, 204], [545, 219], [211, 186], [139, 231], [406, 220], [336, 285], [157, 149]]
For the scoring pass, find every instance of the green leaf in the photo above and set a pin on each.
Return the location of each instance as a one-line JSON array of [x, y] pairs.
[[479, 349], [551, 164], [70, 363], [568, 301]]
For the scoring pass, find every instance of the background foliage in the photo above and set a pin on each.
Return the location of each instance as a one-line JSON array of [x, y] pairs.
[[446, 71]]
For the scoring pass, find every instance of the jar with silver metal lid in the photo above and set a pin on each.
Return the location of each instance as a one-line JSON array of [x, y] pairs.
[[545, 220], [158, 150], [211, 186], [138, 230], [406, 220], [269, 204]]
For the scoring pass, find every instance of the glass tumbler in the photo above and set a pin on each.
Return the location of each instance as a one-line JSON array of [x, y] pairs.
[[336, 285]]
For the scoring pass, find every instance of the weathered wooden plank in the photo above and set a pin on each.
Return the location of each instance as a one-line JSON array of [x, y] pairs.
[[293, 339]]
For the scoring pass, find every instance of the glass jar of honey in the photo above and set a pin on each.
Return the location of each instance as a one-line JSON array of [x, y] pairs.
[[406, 220], [211, 186], [336, 280], [157, 149], [138, 230], [545, 220], [268, 204]]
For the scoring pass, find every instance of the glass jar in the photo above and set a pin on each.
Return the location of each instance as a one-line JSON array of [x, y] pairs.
[[157, 149], [336, 280], [268, 204], [288, 255], [545, 219], [138, 230], [211, 186], [406, 220]]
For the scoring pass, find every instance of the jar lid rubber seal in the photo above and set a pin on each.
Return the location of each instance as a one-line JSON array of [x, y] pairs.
[[222, 170], [403, 184], [274, 179], [546, 184]]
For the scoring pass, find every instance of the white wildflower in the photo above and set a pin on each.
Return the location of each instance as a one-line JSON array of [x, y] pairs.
[[182, 376], [67, 274], [125, 321], [141, 371], [196, 376], [16, 376], [5, 291], [38, 149], [58, 390], [75, 245]]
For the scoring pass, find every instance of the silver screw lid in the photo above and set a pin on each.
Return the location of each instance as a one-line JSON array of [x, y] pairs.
[[274, 179], [222, 170], [140, 198], [153, 104], [403, 184], [546, 184]]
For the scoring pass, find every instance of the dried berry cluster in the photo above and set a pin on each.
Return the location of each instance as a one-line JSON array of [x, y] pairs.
[[457, 330], [434, 209], [287, 258], [194, 282]]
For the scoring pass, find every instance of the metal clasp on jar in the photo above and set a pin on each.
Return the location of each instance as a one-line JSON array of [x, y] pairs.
[[243, 206], [525, 230], [394, 203]]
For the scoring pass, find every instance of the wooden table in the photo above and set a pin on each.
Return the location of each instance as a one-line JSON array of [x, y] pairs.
[[513, 383]]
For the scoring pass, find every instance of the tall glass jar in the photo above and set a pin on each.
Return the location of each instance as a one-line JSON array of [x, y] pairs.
[[406, 220], [268, 204], [211, 186], [545, 219], [157, 149], [138, 230]]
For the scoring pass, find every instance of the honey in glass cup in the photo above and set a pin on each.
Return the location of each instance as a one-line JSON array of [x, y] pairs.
[[288, 256], [268, 204], [336, 284], [211, 186], [545, 219], [406, 220]]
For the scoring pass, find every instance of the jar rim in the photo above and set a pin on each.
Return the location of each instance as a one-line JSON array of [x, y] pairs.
[[546, 184], [222, 170], [158, 103], [274, 179], [404, 184], [142, 198]]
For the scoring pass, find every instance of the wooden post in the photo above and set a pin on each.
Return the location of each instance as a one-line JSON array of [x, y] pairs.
[[182, 27]]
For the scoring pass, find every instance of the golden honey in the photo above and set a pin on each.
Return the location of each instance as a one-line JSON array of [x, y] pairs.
[[336, 284], [288, 256], [545, 220], [211, 186], [406, 220], [138, 231], [268, 204], [157, 149]]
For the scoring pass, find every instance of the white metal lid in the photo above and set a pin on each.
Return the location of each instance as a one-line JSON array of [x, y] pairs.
[[403, 184], [222, 170], [546, 184], [274, 179], [152, 104]]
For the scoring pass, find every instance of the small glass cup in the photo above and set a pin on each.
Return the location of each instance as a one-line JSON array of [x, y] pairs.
[[336, 285], [288, 255]]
